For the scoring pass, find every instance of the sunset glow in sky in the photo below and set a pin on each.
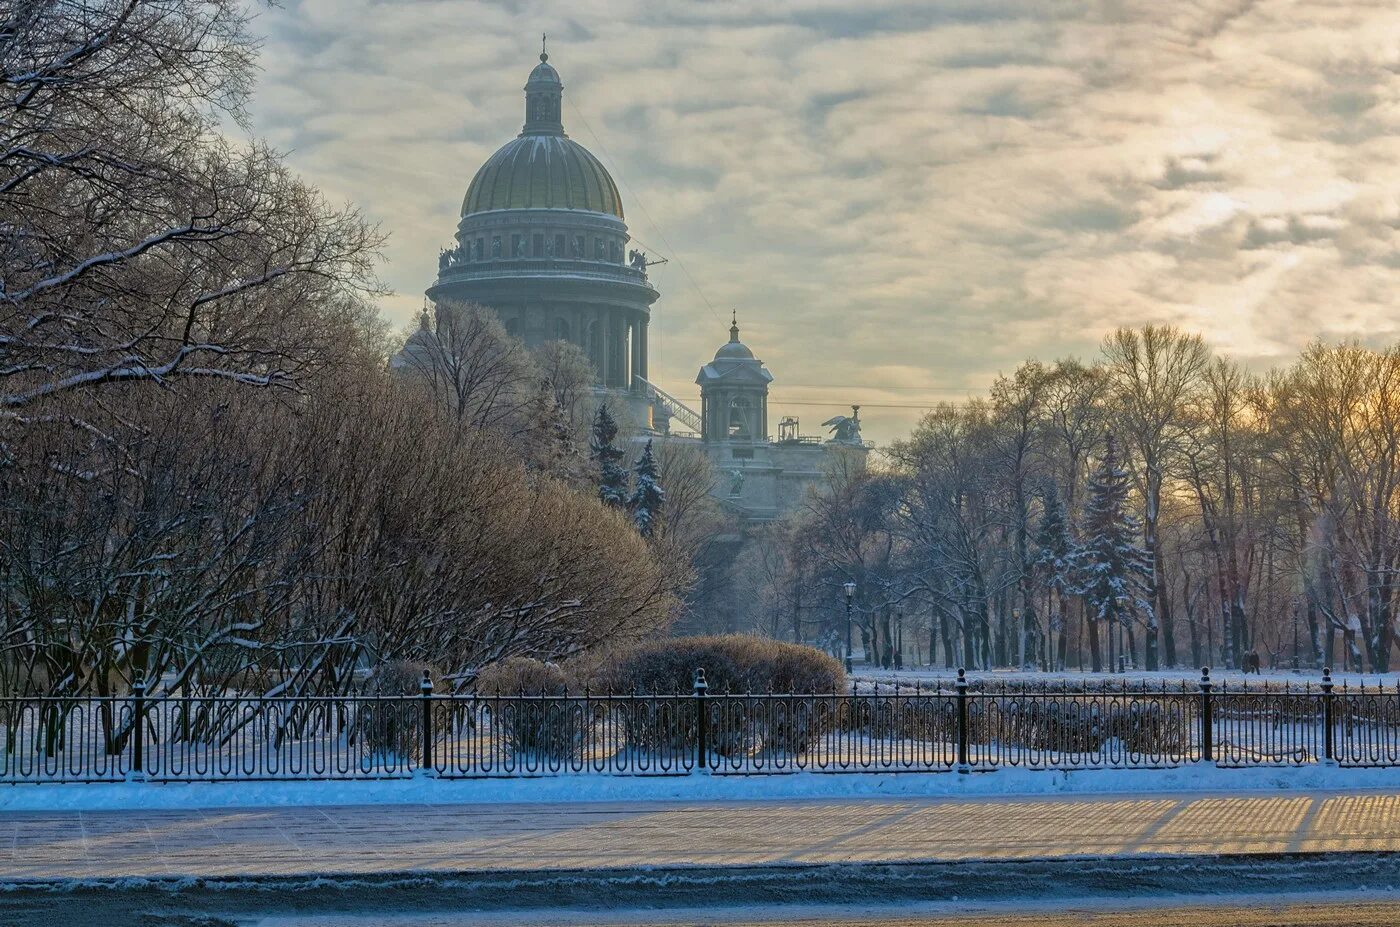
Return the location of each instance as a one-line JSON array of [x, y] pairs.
[[901, 199]]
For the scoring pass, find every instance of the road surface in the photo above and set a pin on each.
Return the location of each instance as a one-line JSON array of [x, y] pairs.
[[1289, 912], [431, 864], [366, 840], [1301, 913], [1293, 913]]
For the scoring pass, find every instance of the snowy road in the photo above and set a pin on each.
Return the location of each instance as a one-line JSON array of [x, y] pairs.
[[1365, 910], [445, 866], [1295, 912]]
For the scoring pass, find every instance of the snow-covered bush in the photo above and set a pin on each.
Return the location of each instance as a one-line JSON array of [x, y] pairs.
[[1070, 725], [734, 664], [1152, 728], [525, 700], [393, 726], [525, 676], [926, 718], [1060, 724]]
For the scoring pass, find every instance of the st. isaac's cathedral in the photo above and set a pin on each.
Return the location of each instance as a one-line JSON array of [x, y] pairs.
[[543, 242]]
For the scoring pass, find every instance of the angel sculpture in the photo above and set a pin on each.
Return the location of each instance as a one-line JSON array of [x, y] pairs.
[[845, 429]]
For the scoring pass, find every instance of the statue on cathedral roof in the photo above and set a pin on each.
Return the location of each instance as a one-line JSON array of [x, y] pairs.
[[845, 429]]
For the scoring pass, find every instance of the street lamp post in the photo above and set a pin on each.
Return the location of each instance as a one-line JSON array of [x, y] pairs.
[[899, 640], [1296, 607], [1021, 633], [850, 594]]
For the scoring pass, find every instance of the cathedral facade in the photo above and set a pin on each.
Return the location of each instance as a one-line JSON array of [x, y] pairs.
[[542, 240]]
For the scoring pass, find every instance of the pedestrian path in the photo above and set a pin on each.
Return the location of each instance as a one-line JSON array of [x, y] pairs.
[[376, 839]]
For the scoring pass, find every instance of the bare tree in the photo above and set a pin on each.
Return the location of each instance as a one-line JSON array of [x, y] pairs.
[[138, 245], [474, 370], [1156, 372]]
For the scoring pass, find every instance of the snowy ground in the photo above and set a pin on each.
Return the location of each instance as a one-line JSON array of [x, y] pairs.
[[603, 788], [869, 674]]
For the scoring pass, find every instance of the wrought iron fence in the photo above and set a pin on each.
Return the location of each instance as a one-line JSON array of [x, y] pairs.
[[895, 728]]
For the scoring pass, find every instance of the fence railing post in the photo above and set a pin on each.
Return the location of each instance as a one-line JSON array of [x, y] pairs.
[[425, 693], [138, 727], [1207, 721], [1329, 746], [963, 735], [702, 723]]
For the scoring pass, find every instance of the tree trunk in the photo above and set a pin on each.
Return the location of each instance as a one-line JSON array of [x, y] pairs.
[[1057, 608], [1158, 597], [1190, 604]]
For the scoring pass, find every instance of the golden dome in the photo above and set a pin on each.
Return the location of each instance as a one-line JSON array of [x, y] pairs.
[[543, 168], [543, 172]]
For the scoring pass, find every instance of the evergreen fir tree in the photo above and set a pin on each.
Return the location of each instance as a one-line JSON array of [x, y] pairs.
[[1114, 573], [1053, 567], [1055, 552], [567, 462], [648, 498], [612, 476]]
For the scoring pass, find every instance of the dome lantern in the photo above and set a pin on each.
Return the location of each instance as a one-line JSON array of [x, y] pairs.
[[544, 99], [542, 168]]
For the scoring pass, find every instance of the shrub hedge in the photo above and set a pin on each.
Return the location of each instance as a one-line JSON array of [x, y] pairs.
[[541, 730], [733, 663], [394, 728]]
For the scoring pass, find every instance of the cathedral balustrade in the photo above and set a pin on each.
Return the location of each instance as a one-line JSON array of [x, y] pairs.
[[513, 267]]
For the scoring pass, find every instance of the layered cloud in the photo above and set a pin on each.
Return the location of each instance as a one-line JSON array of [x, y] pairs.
[[900, 198]]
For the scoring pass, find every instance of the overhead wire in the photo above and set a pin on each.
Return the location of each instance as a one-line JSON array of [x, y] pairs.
[[841, 403], [674, 254]]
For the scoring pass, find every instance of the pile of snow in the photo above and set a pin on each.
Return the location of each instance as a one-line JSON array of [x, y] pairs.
[[701, 787]]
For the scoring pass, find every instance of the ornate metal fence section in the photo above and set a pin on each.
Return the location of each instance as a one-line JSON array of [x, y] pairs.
[[963, 725]]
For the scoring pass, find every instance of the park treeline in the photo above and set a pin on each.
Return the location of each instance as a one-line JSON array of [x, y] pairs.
[[1241, 516]]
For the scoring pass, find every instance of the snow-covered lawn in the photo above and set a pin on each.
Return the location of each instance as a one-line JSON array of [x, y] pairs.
[[699, 787], [1171, 678]]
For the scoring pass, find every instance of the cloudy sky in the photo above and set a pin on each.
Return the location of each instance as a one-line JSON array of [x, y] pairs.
[[901, 198]]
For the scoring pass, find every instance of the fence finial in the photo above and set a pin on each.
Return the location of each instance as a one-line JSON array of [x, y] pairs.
[[700, 684], [426, 686]]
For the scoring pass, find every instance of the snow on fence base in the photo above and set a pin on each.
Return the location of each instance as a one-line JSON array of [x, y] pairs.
[[894, 729]]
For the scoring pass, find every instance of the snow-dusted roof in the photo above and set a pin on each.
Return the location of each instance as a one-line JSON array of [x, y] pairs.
[[734, 362]]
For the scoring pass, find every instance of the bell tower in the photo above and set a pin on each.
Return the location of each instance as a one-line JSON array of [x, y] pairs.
[[734, 394]]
